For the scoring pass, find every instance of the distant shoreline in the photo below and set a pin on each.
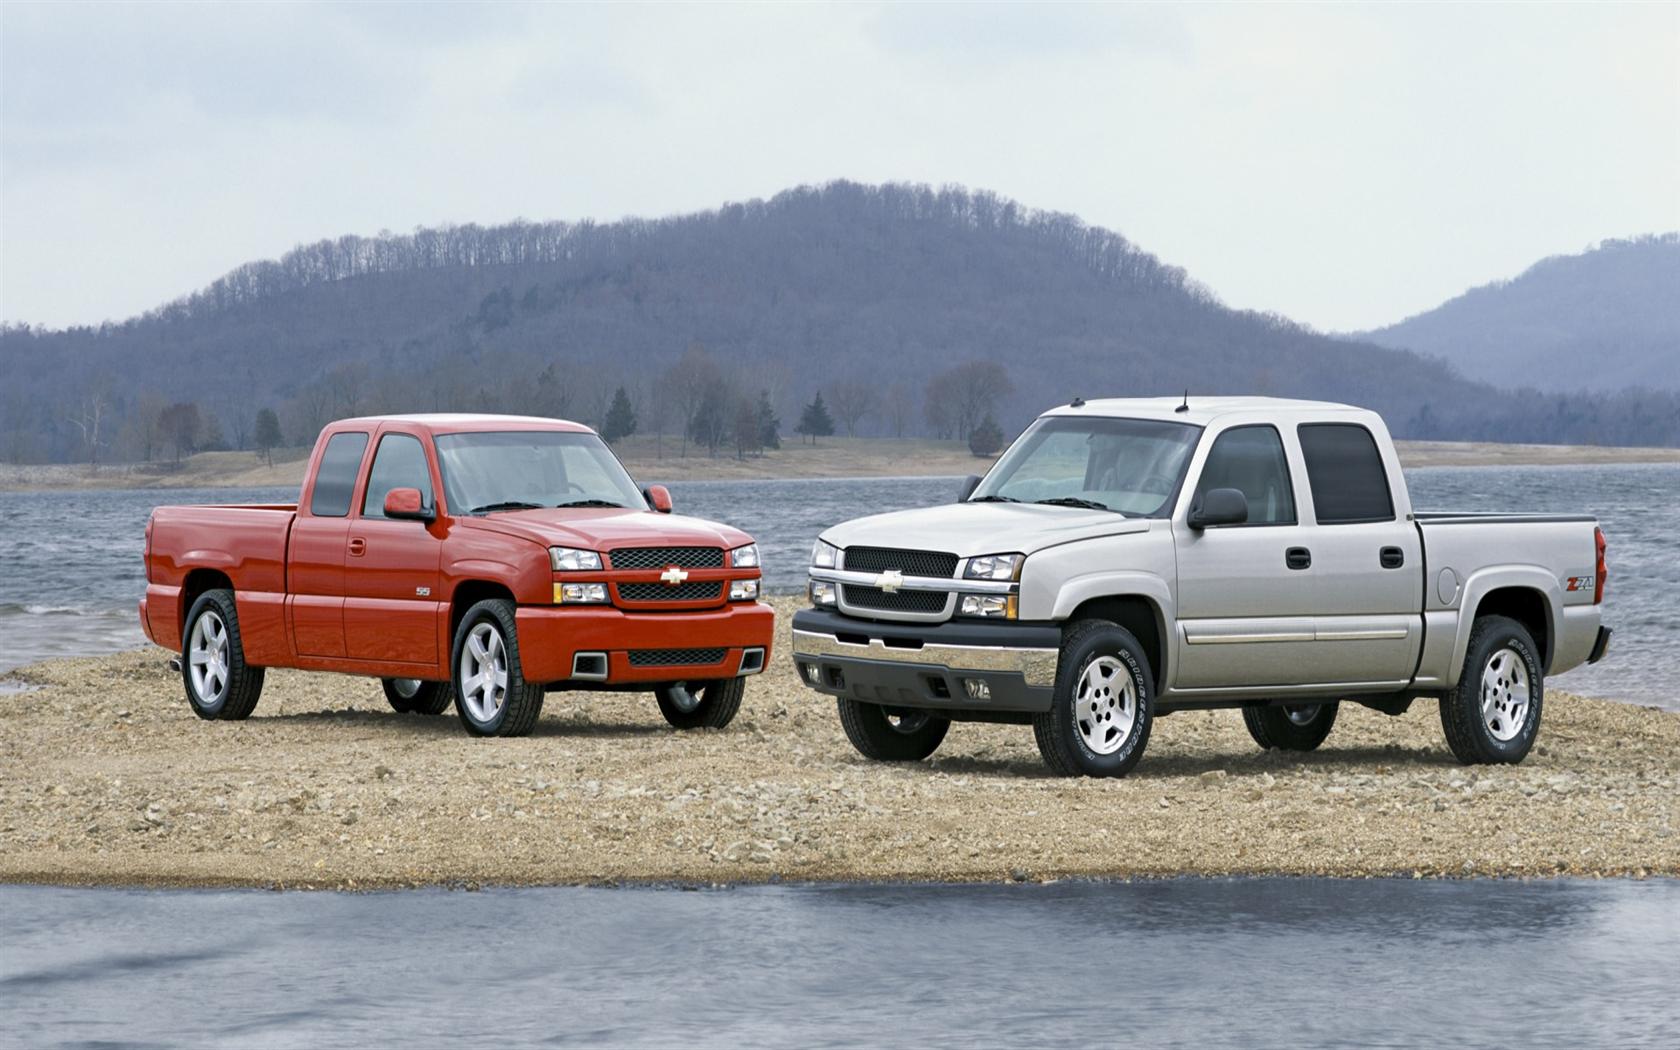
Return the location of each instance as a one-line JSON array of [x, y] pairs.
[[831, 458]]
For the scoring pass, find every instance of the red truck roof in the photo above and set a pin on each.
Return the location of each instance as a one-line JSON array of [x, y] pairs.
[[461, 422]]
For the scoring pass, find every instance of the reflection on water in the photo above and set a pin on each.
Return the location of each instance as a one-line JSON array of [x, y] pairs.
[[73, 559], [1195, 963]]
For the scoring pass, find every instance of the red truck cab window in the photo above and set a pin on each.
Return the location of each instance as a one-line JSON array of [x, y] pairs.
[[335, 479]]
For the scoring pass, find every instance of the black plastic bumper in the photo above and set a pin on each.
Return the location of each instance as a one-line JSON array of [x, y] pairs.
[[1600, 645]]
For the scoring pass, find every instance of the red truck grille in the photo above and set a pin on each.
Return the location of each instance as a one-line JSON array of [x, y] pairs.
[[699, 591], [665, 557], [675, 657]]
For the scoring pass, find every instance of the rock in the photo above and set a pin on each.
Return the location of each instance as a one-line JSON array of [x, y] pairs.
[[1019, 874], [380, 772], [1212, 776]]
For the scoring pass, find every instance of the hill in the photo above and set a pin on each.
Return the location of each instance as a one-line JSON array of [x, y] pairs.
[[867, 293], [1606, 319]]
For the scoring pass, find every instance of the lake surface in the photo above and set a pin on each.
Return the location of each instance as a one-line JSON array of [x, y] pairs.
[[1191, 963], [73, 569]]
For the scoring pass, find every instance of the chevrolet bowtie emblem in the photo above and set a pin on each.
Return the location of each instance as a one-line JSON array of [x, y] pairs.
[[891, 580], [673, 575]]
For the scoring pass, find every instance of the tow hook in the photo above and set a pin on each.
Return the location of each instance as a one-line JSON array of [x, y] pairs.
[[174, 665]]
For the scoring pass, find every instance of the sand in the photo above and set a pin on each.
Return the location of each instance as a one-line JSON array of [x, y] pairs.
[[108, 778]]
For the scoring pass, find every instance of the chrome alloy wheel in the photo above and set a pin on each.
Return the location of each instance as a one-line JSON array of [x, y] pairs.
[[683, 697], [1505, 696], [207, 656], [1105, 705], [484, 680], [406, 687], [1301, 714]]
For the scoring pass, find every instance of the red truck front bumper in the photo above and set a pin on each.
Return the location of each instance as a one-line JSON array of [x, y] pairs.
[[643, 647]]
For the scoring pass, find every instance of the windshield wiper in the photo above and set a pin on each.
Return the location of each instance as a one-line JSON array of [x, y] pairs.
[[590, 503], [1075, 501], [994, 499], [512, 504]]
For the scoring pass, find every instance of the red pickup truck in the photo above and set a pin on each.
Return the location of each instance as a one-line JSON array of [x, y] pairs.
[[476, 559]]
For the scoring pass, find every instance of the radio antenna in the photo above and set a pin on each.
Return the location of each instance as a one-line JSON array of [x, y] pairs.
[[1186, 406]]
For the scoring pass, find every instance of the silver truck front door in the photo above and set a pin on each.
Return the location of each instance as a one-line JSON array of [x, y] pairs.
[[1367, 561], [1245, 591]]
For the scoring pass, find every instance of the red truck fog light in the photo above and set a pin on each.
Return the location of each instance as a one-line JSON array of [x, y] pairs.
[[743, 590], [580, 593], [822, 593]]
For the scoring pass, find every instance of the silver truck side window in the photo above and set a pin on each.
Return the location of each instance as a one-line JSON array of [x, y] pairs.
[[1345, 470], [1251, 460], [399, 463], [335, 478]]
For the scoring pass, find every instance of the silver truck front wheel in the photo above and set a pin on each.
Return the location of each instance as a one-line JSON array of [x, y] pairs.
[[1105, 705]]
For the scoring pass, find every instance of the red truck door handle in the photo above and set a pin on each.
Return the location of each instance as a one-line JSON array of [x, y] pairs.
[[358, 546]]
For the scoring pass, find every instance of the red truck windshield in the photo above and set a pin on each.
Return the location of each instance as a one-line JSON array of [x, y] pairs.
[[521, 469]]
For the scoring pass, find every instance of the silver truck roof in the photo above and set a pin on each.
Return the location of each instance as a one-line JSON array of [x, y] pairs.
[[1202, 411]]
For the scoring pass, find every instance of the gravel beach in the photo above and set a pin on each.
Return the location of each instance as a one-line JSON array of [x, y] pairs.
[[108, 778]]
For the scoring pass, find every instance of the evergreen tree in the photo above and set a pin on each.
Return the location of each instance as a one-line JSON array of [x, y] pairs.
[[986, 438], [815, 421], [712, 421], [621, 418], [769, 427], [267, 434]]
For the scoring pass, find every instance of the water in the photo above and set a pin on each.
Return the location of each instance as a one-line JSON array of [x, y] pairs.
[[73, 570], [1196, 963]]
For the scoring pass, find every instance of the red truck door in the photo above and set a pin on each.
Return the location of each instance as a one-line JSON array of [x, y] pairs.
[[315, 558], [391, 604]]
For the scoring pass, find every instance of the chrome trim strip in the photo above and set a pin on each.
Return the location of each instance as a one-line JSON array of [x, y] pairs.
[[1372, 634], [1037, 666], [1209, 638], [916, 583], [747, 654], [606, 666]]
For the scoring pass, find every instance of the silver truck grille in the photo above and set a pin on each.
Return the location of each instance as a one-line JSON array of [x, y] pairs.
[[910, 563], [861, 597]]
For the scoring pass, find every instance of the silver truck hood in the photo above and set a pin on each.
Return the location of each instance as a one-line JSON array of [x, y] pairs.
[[968, 529]]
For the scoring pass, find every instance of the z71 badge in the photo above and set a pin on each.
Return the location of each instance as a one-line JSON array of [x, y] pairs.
[[1579, 583]]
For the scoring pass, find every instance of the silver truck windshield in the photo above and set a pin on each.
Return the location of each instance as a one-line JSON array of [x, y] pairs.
[[525, 469], [1128, 465]]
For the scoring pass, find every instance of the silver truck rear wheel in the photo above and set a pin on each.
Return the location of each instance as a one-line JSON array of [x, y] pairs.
[[1290, 727], [1493, 714]]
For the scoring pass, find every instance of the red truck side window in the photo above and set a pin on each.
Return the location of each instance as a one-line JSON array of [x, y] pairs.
[[399, 463], [335, 479]]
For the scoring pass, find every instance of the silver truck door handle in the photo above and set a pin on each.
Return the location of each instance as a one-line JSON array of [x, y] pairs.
[[1298, 558], [1392, 557]]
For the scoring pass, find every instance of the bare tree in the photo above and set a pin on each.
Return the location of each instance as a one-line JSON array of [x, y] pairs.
[[88, 417], [690, 382], [959, 398], [899, 406], [852, 400]]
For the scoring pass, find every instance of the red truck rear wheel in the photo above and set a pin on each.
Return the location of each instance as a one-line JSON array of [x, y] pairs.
[[412, 696], [701, 705], [219, 684]]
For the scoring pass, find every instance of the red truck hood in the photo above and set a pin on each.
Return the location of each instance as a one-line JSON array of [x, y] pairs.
[[604, 528]]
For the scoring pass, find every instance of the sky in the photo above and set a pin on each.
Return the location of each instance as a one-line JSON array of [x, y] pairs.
[[1343, 165]]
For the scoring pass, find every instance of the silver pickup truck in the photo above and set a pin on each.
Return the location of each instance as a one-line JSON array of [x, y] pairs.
[[1128, 558]]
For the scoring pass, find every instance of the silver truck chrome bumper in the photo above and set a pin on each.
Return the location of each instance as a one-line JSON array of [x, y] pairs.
[[1037, 667]]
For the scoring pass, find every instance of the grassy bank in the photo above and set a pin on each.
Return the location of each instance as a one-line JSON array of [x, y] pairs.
[[110, 779], [652, 460]]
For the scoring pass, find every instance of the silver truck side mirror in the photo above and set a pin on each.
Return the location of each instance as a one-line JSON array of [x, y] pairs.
[[1219, 507], [969, 484]]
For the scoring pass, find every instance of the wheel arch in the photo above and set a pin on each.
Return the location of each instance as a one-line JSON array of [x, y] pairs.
[[193, 587], [1529, 595], [1138, 614], [468, 593]]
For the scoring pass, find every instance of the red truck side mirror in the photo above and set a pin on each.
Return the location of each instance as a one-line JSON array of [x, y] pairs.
[[407, 504], [659, 498]]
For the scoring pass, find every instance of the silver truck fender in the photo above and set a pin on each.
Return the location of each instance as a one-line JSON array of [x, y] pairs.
[[1484, 581]]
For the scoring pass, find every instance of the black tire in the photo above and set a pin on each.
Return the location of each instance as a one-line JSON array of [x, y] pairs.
[[892, 734], [521, 702], [412, 696], [1506, 732], [1290, 727], [232, 693], [701, 705], [1058, 731]]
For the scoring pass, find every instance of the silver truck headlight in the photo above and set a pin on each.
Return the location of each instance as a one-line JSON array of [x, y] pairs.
[[824, 555], [570, 559], [994, 567], [991, 606], [744, 557]]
